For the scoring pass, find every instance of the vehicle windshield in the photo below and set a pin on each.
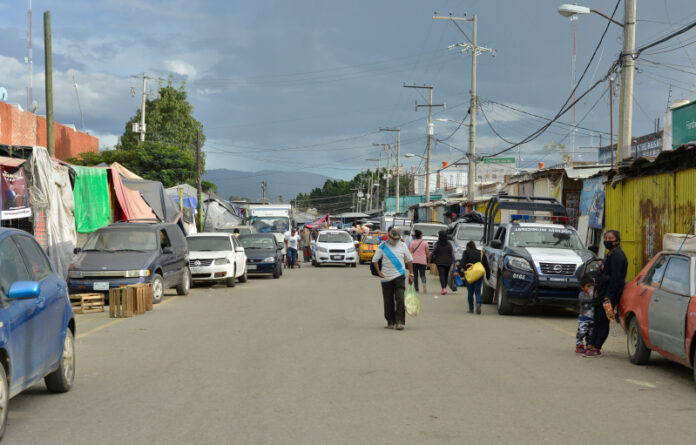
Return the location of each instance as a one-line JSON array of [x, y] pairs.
[[120, 239], [429, 230], [545, 237], [372, 239], [242, 230], [465, 232], [271, 224], [257, 242], [336, 237], [208, 243]]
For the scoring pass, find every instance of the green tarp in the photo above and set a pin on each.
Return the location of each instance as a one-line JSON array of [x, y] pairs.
[[92, 203]]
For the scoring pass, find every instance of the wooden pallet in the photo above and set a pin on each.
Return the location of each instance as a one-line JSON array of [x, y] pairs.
[[143, 296], [120, 304], [87, 303]]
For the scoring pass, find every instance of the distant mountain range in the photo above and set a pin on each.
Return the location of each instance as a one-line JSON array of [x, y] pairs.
[[248, 184]]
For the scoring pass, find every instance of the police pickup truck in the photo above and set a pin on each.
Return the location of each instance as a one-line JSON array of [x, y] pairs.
[[533, 260]]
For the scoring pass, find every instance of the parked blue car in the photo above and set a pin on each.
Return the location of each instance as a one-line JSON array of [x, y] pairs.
[[264, 254], [37, 325]]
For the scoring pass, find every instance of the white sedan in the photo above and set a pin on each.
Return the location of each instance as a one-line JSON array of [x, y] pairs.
[[335, 247], [216, 257]]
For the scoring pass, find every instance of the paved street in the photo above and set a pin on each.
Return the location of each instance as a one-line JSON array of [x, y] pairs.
[[305, 360]]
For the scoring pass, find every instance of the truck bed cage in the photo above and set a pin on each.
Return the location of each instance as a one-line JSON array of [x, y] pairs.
[[522, 203]]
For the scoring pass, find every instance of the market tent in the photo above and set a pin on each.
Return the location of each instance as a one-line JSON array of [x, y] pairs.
[[218, 214], [92, 202], [318, 222], [153, 193], [132, 204]]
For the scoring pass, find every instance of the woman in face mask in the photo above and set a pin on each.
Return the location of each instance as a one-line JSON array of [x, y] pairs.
[[610, 284]]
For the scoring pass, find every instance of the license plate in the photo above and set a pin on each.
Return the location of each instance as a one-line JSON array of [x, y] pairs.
[[101, 285], [336, 257], [559, 280], [251, 267]]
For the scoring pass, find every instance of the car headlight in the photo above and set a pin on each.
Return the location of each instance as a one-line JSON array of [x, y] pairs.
[[323, 250], [221, 261], [350, 250], [137, 273], [76, 274], [519, 263], [270, 259]]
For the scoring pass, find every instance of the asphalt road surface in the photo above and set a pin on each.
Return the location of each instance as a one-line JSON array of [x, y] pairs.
[[305, 360]]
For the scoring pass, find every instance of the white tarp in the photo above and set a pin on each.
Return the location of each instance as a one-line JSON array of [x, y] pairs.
[[50, 192], [218, 215], [671, 242]]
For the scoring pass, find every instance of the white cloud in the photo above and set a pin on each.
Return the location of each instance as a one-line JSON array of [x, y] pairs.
[[181, 67]]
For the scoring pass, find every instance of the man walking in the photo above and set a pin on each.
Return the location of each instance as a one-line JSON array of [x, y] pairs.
[[292, 242], [396, 258], [307, 245]]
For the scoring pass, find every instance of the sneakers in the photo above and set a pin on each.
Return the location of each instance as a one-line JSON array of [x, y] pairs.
[[389, 326], [399, 327], [444, 292], [580, 349], [478, 309], [471, 311], [591, 353]]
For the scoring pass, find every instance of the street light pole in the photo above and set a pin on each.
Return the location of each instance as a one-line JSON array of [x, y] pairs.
[[398, 158], [627, 66]]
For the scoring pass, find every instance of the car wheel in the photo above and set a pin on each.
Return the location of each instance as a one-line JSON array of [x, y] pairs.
[[638, 352], [314, 263], [353, 264], [486, 294], [232, 281], [245, 277], [4, 400], [185, 285], [502, 301], [61, 380], [277, 271], [157, 288]]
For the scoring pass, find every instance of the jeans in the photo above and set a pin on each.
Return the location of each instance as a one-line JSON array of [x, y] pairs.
[[601, 328], [307, 254], [292, 257], [443, 270], [474, 288], [393, 294], [419, 270]]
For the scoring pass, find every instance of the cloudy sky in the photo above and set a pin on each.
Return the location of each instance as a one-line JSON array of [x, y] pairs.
[[306, 84]]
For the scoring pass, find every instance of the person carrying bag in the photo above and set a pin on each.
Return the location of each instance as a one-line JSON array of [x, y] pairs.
[[390, 261], [473, 266]]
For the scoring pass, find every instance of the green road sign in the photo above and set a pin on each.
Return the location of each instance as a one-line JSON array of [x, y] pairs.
[[498, 160]]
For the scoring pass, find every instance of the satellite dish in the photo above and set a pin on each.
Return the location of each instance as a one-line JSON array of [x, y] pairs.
[[3, 94], [34, 106]]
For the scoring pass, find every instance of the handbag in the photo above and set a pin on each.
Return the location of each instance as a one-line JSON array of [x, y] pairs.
[[474, 272], [433, 270]]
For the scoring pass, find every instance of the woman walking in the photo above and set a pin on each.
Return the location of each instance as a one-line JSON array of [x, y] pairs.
[[472, 256], [421, 258], [443, 257]]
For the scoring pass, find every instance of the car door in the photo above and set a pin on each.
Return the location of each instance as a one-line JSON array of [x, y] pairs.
[[167, 258], [180, 251], [668, 306], [51, 307], [23, 343], [239, 257]]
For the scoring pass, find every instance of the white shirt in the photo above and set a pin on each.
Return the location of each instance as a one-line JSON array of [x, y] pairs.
[[293, 241], [388, 269]]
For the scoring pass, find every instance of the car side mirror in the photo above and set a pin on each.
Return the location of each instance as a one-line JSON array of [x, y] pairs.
[[240, 249], [167, 250], [77, 250], [24, 289], [496, 244]]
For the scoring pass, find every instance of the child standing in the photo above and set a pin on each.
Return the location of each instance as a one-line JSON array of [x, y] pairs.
[[586, 317]]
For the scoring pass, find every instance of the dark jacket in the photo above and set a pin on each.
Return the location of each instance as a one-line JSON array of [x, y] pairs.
[[442, 254], [612, 277], [472, 256]]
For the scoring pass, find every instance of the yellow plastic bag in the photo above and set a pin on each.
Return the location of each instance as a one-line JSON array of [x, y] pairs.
[[411, 301]]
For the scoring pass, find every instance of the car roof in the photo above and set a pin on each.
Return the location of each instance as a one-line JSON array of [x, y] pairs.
[[544, 225], [429, 224], [137, 225], [333, 231], [208, 234], [257, 235]]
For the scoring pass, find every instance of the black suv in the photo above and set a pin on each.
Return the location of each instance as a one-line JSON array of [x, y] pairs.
[[129, 253]]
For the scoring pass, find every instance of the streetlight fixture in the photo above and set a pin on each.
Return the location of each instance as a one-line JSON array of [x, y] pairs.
[[413, 155], [372, 182], [567, 10]]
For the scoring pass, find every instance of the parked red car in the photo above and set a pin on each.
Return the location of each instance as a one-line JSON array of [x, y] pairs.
[[658, 310]]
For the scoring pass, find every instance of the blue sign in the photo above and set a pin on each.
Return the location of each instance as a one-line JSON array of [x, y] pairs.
[[592, 201]]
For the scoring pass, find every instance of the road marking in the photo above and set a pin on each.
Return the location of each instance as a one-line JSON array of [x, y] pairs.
[[99, 328], [639, 383]]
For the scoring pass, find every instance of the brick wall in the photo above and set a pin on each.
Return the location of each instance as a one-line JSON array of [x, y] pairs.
[[24, 128]]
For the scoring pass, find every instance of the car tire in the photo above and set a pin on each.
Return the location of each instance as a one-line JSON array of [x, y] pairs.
[[245, 277], [353, 264], [232, 281], [4, 400], [638, 352], [157, 288], [501, 298], [277, 272], [61, 380], [185, 286], [314, 263], [486, 293]]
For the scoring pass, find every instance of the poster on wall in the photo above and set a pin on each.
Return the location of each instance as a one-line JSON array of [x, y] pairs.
[[592, 201], [15, 198]]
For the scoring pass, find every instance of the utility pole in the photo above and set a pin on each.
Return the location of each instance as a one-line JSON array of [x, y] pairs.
[[379, 166], [473, 107], [627, 66], [199, 186], [388, 147], [398, 159], [263, 190], [142, 112], [611, 120], [30, 62], [430, 132], [48, 58]]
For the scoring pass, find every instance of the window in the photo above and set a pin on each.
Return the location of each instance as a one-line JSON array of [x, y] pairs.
[[676, 277], [35, 259], [164, 239], [12, 268], [209, 243], [176, 236], [500, 235], [654, 276], [112, 240]]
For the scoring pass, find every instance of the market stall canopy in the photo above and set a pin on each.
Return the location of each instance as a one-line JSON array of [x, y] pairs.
[[132, 204], [92, 202], [218, 214], [154, 195]]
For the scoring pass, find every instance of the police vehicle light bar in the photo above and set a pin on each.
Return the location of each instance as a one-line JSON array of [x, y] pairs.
[[533, 218]]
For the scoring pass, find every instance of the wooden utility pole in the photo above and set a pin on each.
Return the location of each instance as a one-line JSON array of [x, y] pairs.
[[398, 157], [48, 58], [199, 185], [263, 190]]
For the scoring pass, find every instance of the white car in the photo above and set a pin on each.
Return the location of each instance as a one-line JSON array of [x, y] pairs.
[[335, 247], [216, 257]]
